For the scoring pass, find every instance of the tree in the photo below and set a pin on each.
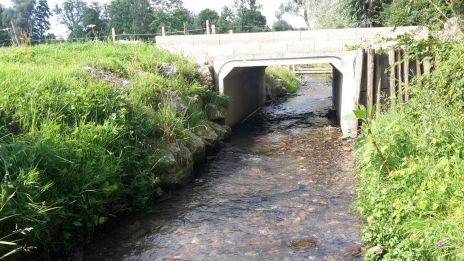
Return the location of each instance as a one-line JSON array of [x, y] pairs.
[[167, 6], [248, 17], [421, 12], [250, 21], [318, 13], [180, 18], [281, 25], [20, 15], [5, 39], [40, 20], [93, 20], [366, 13], [131, 16], [172, 15], [71, 15], [206, 14], [226, 19]]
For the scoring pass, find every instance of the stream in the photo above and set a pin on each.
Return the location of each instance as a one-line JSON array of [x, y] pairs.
[[279, 189]]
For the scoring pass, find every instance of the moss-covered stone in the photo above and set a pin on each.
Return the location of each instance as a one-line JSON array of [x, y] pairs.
[[175, 165]]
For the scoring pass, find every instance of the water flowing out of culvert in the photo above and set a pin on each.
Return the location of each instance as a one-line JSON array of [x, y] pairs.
[[280, 189]]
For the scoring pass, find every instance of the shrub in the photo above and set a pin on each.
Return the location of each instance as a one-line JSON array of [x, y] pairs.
[[417, 211]]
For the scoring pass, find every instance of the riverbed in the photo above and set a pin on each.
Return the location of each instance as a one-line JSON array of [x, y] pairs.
[[279, 189]]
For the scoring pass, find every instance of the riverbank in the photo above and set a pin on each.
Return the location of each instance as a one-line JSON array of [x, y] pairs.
[[279, 189], [88, 131], [92, 131], [416, 211]]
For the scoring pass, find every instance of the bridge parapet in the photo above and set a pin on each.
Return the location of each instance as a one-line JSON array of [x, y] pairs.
[[202, 48]]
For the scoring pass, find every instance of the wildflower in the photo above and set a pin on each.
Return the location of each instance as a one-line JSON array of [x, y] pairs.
[[440, 244]]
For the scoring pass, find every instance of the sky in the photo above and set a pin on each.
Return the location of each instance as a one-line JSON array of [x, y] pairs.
[[268, 10]]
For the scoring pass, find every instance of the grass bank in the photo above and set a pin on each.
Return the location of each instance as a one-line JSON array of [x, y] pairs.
[[81, 127], [417, 212], [288, 78]]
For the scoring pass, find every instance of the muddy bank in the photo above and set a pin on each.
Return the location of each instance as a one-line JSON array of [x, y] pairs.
[[280, 189]]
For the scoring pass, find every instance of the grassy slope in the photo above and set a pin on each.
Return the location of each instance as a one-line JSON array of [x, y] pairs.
[[417, 212], [75, 150], [289, 79]]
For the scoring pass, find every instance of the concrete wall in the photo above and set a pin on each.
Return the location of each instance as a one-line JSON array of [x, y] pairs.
[[337, 89], [333, 42], [246, 88]]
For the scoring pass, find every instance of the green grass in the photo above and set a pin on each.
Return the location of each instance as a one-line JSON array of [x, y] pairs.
[[289, 79], [417, 212], [76, 150]]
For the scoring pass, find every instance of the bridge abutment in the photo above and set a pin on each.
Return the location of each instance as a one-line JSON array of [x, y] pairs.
[[245, 86]]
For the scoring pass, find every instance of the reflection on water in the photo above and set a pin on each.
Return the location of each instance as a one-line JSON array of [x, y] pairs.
[[279, 190]]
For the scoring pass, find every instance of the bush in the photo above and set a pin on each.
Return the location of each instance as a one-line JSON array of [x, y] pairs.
[[417, 212]]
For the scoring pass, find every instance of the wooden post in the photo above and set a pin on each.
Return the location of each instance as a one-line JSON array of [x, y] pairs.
[[406, 79], [370, 80], [213, 29], [378, 84], [358, 74], [418, 68], [207, 27], [163, 31], [427, 65], [391, 63], [113, 34], [399, 74]]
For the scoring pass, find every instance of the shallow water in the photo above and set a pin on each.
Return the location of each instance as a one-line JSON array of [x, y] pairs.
[[280, 189]]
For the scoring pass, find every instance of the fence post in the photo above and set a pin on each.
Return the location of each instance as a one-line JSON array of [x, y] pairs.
[[213, 29], [185, 29], [163, 31], [207, 27], [378, 84], [427, 65], [370, 80], [406, 78], [399, 75], [391, 63], [113, 34], [231, 31]]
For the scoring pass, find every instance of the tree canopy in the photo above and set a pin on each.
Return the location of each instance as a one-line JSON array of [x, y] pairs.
[[131, 16]]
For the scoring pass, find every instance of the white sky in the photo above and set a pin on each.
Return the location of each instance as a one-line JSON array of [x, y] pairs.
[[269, 9]]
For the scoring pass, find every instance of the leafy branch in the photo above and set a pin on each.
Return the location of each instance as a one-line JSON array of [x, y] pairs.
[[361, 114]]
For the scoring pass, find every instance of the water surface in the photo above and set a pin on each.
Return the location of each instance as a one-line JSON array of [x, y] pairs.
[[280, 189]]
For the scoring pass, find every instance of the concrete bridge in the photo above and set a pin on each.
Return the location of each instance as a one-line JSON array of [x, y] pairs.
[[240, 60]]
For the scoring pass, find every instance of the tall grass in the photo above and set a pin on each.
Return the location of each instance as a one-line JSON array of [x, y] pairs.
[[76, 149], [417, 212], [289, 79]]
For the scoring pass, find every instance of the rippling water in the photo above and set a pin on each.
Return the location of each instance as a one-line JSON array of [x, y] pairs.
[[280, 189]]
